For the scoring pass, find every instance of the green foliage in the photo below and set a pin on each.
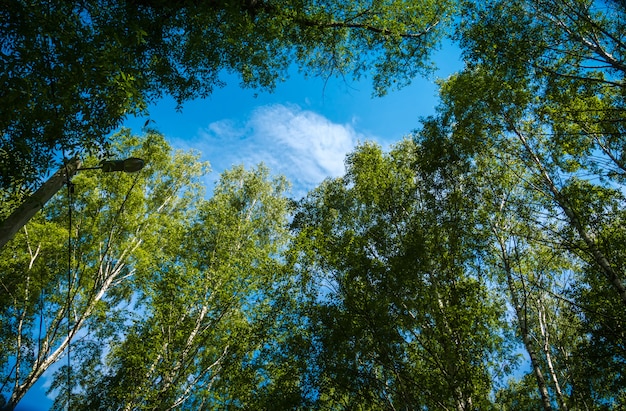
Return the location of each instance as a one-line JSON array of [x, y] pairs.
[[70, 72], [204, 308], [412, 282], [519, 395], [406, 322], [112, 221], [538, 112]]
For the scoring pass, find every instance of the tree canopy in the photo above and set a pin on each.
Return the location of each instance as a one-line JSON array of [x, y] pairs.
[[478, 263], [55, 291], [71, 71]]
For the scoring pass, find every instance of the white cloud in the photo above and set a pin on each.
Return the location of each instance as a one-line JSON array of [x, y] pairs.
[[302, 145]]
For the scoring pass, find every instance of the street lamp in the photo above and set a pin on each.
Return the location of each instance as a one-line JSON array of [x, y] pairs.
[[34, 203], [130, 165]]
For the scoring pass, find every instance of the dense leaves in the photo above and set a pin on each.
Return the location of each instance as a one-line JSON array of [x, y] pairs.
[[403, 319], [55, 291], [477, 264], [71, 71], [204, 306], [539, 108]]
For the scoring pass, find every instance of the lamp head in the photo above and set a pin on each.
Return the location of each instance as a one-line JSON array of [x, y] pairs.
[[129, 165]]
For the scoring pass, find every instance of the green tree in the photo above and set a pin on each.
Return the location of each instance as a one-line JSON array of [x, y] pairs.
[[541, 101], [71, 71], [402, 318], [207, 309], [562, 65], [536, 273], [59, 301]]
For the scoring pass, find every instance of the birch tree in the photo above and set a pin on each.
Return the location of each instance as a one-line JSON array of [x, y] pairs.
[[205, 308], [70, 275], [402, 318], [541, 93]]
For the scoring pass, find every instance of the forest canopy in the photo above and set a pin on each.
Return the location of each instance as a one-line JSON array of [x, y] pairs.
[[478, 263], [71, 71]]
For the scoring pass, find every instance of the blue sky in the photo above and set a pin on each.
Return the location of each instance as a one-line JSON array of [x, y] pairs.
[[302, 130]]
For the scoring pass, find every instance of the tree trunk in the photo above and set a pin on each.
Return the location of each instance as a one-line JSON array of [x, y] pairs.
[[543, 325], [523, 326], [597, 255]]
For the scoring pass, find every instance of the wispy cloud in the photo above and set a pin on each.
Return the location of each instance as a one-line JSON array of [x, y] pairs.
[[302, 145]]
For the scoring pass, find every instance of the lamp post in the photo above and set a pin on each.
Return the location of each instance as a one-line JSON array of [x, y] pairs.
[[34, 203]]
